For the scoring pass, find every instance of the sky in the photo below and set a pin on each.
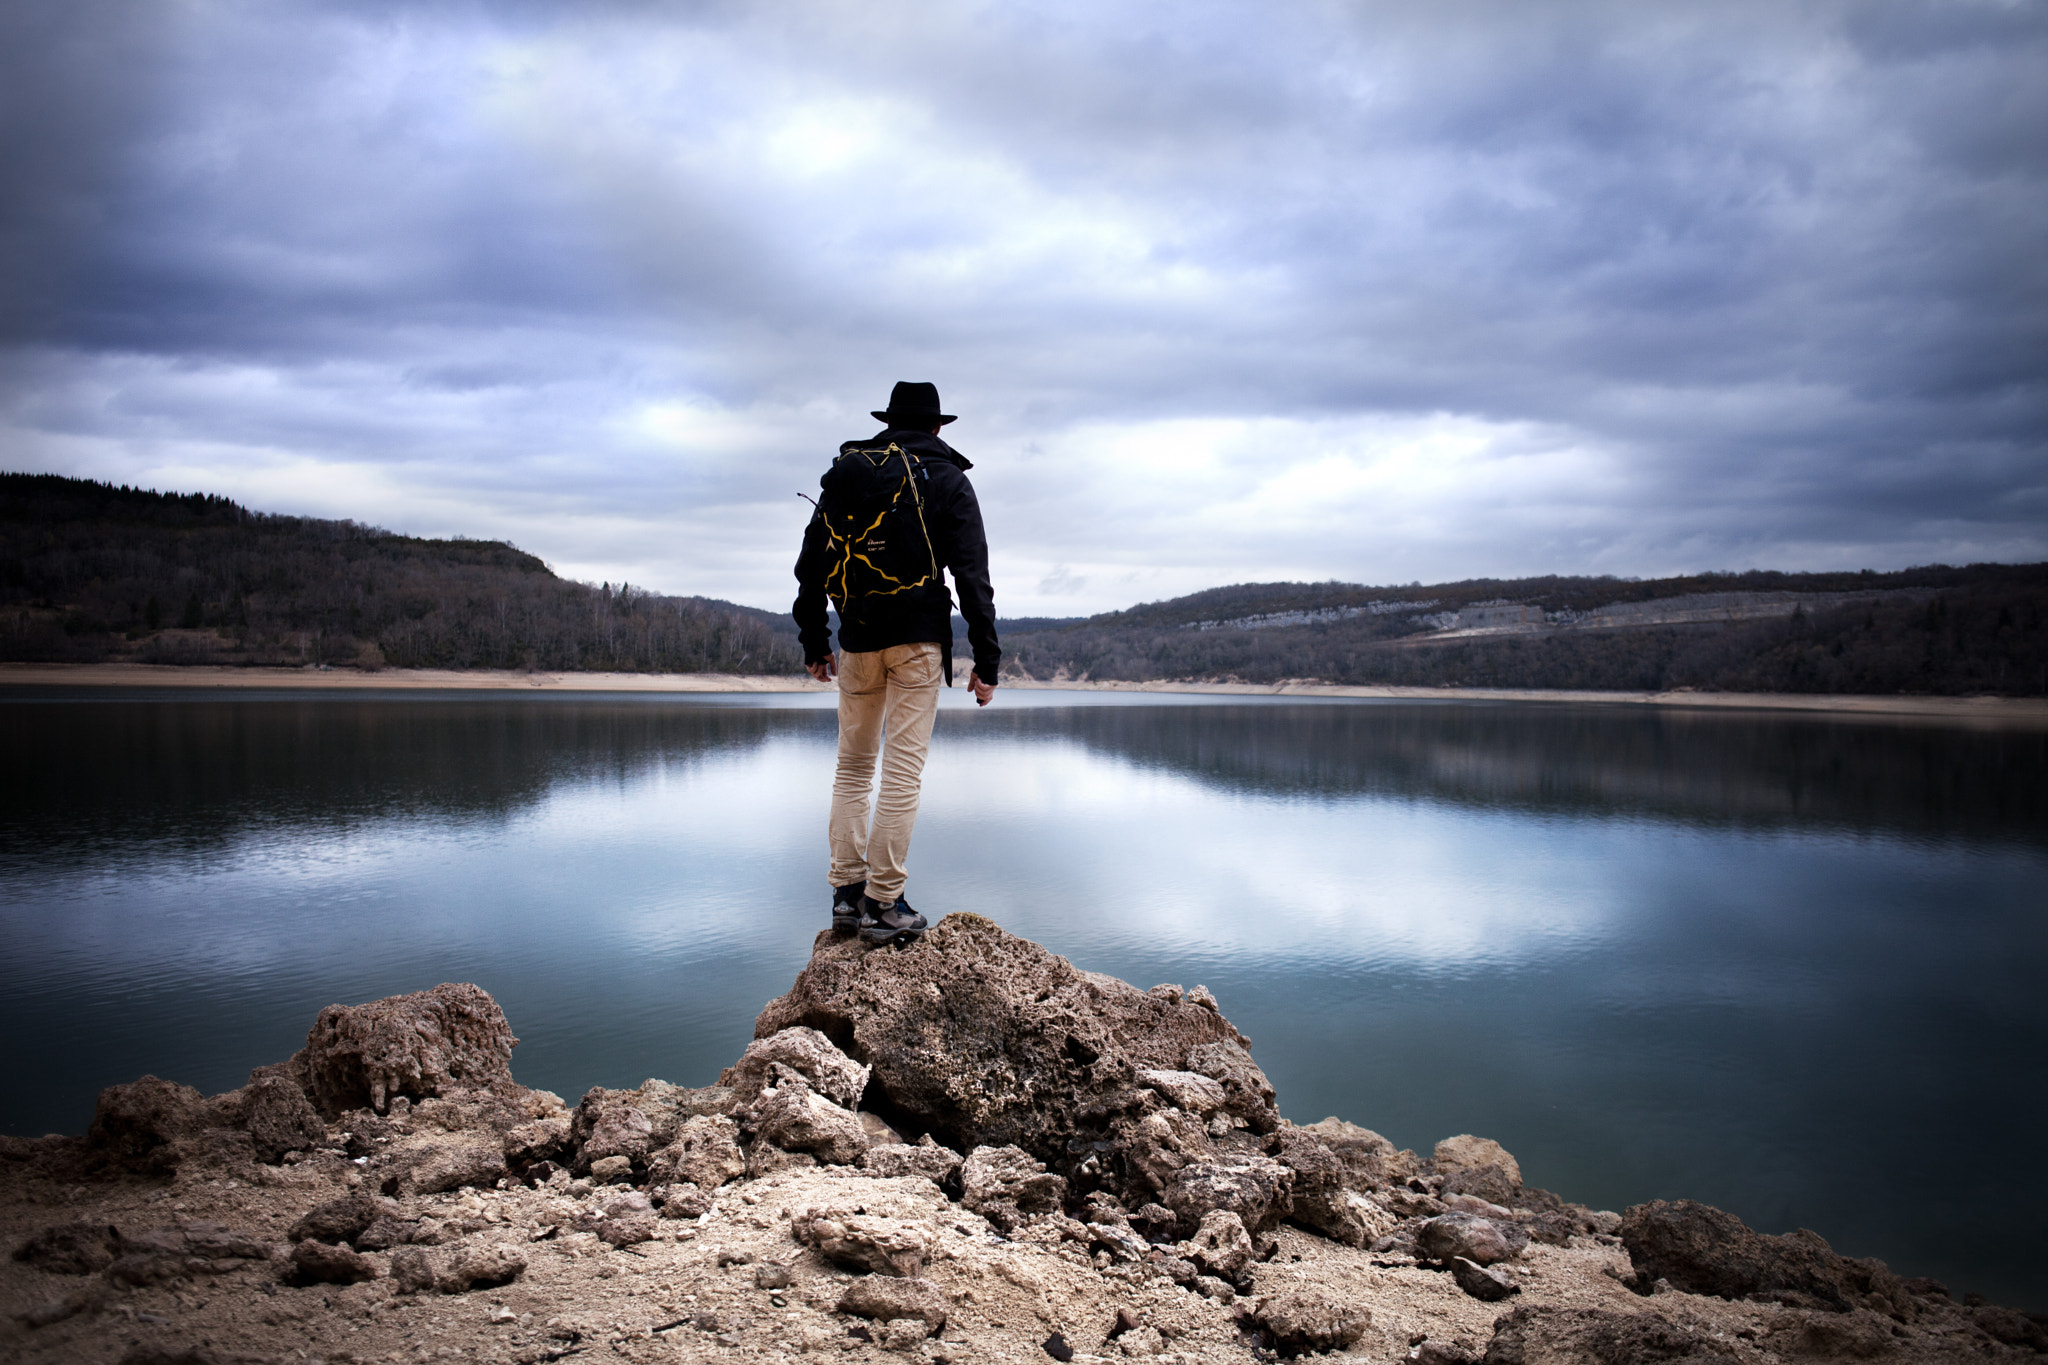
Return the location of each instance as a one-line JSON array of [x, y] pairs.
[[1220, 292]]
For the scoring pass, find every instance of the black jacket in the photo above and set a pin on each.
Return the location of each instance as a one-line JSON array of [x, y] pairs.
[[954, 521]]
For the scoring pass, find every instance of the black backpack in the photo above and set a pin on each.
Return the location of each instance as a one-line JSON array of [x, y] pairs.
[[881, 562]]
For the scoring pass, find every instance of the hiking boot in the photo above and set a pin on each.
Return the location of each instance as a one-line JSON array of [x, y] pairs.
[[846, 907], [895, 923]]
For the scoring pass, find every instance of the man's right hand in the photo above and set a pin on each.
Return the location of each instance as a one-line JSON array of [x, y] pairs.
[[822, 670]]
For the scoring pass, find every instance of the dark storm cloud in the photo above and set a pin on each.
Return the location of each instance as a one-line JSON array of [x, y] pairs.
[[1439, 290]]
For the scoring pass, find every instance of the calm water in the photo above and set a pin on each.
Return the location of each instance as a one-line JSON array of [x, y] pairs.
[[1793, 967]]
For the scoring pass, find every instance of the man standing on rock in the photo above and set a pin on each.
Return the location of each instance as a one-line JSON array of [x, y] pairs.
[[895, 511]]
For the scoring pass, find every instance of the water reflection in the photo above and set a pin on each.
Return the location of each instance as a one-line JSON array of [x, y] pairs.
[[1769, 961]]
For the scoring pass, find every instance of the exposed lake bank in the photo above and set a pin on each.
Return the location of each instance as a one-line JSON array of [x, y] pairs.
[[964, 1151], [2018, 711]]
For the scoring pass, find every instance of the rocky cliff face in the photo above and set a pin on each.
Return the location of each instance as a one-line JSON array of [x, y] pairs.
[[968, 1150]]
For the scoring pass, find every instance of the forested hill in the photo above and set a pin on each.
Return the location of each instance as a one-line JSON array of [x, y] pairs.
[[1938, 630], [91, 572]]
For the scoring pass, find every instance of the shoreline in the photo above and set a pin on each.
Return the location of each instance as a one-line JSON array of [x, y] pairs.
[[2029, 712]]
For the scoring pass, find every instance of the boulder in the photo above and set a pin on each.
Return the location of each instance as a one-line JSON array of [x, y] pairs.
[[810, 1054], [624, 1220], [885, 1298], [318, 1263], [1323, 1202], [1258, 1190], [1484, 1283], [344, 1219], [1158, 1146], [1311, 1320], [1370, 1161], [787, 1113], [1186, 1090], [610, 1129], [452, 1167], [1477, 1165], [420, 1045], [705, 1152], [412, 1271], [985, 1039], [71, 1248], [538, 1141], [864, 1242], [680, 1200], [1005, 1186], [481, 1267], [275, 1113], [1704, 1250], [940, 1165], [1451, 1235], [1598, 1336], [1220, 1247], [141, 1126]]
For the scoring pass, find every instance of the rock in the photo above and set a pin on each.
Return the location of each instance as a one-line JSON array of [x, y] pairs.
[[1596, 1336], [1257, 1190], [1311, 1320], [681, 1200], [385, 1234], [765, 1159], [1056, 1347], [623, 1221], [71, 1248], [788, 1113], [343, 1219], [1810, 1332], [412, 1270], [89, 1298], [1247, 1094], [705, 1152], [985, 1039], [1482, 1282], [1432, 1352], [452, 1167], [940, 1165], [1189, 1091], [880, 1134], [1451, 1235], [807, 1052], [614, 1131], [1370, 1161], [607, 1170], [275, 1113], [1321, 1199], [1160, 1145], [134, 1269], [1220, 1247], [903, 1335], [139, 1126], [1477, 1207], [2011, 1327], [1142, 1342], [531, 1143], [1005, 1186], [888, 1297], [1467, 1153], [1704, 1250], [864, 1242], [773, 1277], [481, 1267], [1210, 1287], [425, 1044], [318, 1263]]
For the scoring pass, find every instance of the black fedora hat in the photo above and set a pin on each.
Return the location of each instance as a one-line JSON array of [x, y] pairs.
[[913, 405]]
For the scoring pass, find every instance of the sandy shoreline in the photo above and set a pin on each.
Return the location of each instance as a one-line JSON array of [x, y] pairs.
[[2028, 712]]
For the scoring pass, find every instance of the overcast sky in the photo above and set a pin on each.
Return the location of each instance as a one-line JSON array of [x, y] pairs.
[[1220, 291]]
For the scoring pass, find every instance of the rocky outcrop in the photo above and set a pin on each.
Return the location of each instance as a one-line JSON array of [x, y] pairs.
[[1704, 1250], [362, 1056], [981, 1038], [1583, 1336]]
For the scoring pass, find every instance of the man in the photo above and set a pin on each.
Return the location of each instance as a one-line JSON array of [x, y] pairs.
[[895, 510]]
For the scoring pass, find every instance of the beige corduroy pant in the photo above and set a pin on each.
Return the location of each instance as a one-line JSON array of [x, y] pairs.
[[888, 699]]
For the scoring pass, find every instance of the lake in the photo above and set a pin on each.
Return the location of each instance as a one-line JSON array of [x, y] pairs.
[[1789, 965]]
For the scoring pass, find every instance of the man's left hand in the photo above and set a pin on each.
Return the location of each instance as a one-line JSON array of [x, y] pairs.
[[984, 693]]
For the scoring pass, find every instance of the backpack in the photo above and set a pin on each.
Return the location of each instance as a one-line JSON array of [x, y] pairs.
[[881, 562]]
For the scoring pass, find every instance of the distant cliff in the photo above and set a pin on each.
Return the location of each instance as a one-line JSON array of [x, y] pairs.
[[91, 572]]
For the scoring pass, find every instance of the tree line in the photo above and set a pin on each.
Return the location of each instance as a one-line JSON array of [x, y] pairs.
[[1972, 630], [91, 572]]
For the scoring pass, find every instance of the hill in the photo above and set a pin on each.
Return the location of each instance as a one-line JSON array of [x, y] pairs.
[[92, 572], [1936, 630]]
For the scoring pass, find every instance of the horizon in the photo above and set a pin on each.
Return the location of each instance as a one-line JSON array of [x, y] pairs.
[[1244, 293]]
